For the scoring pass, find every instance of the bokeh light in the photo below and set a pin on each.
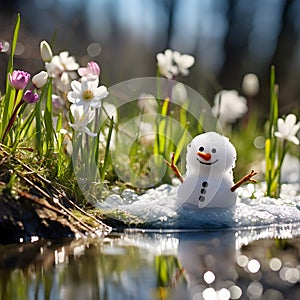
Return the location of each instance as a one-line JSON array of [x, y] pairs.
[[209, 277], [94, 49], [253, 266], [255, 290], [235, 292], [275, 264]]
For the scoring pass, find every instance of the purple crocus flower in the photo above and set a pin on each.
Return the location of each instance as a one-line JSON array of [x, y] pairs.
[[19, 79], [30, 97], [1, 46]]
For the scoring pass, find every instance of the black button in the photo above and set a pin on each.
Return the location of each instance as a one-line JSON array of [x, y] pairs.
[[203, 191], [204, 183], [201, 198]]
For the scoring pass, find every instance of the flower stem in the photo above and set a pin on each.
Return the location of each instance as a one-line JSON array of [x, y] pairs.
[[12, 120]]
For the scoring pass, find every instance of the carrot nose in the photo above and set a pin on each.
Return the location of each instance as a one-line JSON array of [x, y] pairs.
[[204, 155]]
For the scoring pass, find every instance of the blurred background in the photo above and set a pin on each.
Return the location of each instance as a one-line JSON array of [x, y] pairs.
[[228, 38]]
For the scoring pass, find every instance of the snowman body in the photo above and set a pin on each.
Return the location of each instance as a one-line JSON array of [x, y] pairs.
[[208, 180], [207, 191]]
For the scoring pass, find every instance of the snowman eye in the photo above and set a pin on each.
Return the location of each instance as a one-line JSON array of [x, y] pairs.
[[213, 150], [201, 149]]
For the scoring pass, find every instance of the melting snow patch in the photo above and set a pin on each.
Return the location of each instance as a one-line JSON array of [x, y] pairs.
[[157, 208]]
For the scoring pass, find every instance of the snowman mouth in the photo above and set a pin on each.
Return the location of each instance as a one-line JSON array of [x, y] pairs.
[[207, 163]]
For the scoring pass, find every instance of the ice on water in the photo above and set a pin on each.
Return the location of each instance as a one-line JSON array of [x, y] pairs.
[[158, 208]]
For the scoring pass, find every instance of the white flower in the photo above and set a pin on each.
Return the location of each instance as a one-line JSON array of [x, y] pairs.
[[63, 81], [165, 64], [183, 62], [46, 51], [87, 93], [229, 106], [179, 93], [62, 68], [5, 46], [40, 79], [147, 103], [172, 63], [82, 117], [288, 128], [61, 63]]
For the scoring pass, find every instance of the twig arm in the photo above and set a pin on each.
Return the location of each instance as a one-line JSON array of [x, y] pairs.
[[246, 178], [174, 168]]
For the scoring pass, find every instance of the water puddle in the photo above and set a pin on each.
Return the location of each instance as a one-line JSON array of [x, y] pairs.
[[246, 263]]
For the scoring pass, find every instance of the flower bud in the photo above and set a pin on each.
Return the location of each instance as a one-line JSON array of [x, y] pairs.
[[40, 79], [30, 97], [250, 84], [19, 79], [91, 69], [5, 46], [46, 52]]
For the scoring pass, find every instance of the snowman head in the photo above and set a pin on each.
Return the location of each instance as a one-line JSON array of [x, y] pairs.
[[210, 153]]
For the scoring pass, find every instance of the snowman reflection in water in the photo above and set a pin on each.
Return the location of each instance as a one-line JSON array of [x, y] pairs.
[[208, 181]]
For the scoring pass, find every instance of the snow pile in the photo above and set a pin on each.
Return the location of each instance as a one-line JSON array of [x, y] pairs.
[[158, 208]]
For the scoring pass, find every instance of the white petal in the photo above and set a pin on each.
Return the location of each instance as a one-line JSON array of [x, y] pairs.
[[186, 61], [183, 71], [76, 111], [280, 125], [295, 129], [72, 66], [55, 60], [72, 96], [95, 103], [160, 58], [63, 55], [93, 83], [82, 71], [101, 91], [65, 79], [72, 125], [290, 120], [293, 139], [87, 131], [169, 54], [76, 86], [279, 135]]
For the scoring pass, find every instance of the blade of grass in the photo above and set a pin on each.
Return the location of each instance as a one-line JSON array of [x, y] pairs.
[[25, 127], [13, 48], [48, 119], [38, 129], [162, 126], [9, 99], [106, 154], [181, 144]]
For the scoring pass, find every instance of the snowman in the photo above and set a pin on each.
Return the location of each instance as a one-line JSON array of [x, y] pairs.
[[208, 181]]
